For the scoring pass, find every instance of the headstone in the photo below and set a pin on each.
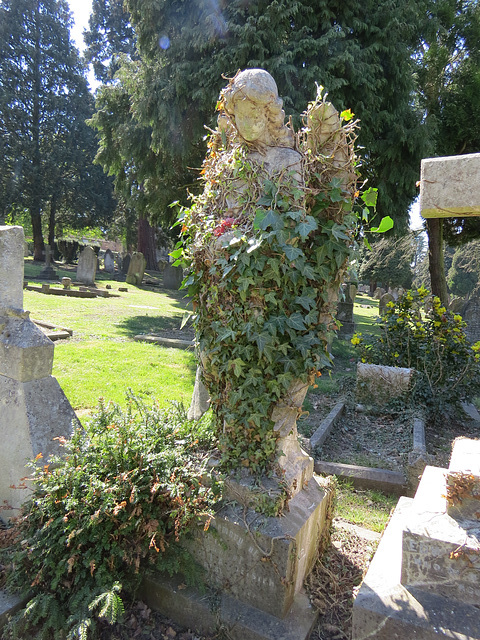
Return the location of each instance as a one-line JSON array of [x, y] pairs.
[[33, 408], [109, 262], [172, 277], [382, 303], [378, 293], [87, 266], [449, 186], [48, 272], [456, 305], [378, 384], [471, 315], [67, 283], [126, 263], [136, 269], [352, 292]]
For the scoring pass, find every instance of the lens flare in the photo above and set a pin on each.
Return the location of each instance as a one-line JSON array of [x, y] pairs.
[[164, 42]]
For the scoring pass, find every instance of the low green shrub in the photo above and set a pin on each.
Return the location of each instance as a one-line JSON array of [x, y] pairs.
[[114, 506], [433, 342]]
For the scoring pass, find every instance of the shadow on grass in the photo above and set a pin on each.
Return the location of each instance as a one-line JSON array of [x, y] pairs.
[[136, 325]]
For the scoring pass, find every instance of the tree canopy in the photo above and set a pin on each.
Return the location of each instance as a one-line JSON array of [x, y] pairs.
[[361, 53]]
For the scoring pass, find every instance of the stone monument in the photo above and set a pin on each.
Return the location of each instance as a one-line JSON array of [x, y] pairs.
[[256, 558], [471, 315], [109, 261], [136, 269], [423, 581], [48, 272], [33, 407], [172, 277], [384, 300], [87, 266]]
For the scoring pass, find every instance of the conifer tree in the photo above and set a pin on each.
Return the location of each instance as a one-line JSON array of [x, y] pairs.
[[360, 51], [45, 143]]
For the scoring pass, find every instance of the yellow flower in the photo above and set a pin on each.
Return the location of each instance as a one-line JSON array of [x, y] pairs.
[[396, 354], [356, 338], [390, 305], [457, 318]]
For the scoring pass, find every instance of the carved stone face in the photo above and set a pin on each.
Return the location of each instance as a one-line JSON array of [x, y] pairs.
[[251, 120]]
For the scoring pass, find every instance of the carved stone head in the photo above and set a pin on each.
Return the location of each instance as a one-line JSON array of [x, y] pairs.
[[253, 107]]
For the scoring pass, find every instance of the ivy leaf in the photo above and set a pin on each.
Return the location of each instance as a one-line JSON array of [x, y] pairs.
[[338, 232], [291, 253], [295, 321], [295, 215], [259, 216], [306, 302], [177, 253], [262, 340], [309, 272], [367, 244], [307, 226], [370, 197], [238, 365], [271, 219], [386, 224]]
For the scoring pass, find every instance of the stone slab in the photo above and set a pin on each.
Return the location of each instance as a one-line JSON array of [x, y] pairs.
[[261, 560], [378, 384], [12, 245], [172, 343], [69, 293], [320, 434], [390, 482], [211, 613], [32, 414], [25, 351], [385, 610], [9, 605], [463, 480], [449, 186]]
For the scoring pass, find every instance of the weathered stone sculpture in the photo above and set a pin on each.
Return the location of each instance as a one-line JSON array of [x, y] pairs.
[[263, 183]]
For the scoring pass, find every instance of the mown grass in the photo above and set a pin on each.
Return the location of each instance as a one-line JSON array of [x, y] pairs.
[[102, 359], [370, 509]]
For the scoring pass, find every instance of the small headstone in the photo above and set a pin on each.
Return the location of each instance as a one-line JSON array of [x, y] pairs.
[[352, 291], [172, 277], [471, 315], [378, 293], [456, 305], [48, 272], [382, 303], [67, 283], [109, 262], [126, 263], [136, 270], [87, 266], [379, 385]]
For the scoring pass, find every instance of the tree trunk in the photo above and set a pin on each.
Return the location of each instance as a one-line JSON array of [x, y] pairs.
[[36, 199], [146, 243], [436, 263], [51, 222]]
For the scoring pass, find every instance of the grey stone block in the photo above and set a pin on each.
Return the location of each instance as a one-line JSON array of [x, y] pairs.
[[263, 561], [25, 352], [386, 610], [211, 612], [391, 482], [320, 434]]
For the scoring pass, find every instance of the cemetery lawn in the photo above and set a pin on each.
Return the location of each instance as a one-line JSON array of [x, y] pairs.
[[102, 359]]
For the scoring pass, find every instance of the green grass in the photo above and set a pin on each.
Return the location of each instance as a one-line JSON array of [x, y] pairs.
[[102, 359], [369, 509], [365, 317]]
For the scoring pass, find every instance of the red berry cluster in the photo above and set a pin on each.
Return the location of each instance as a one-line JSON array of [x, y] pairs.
[[223, 226]]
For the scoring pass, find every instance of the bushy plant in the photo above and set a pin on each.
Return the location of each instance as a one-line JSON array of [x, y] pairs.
[[114, 506], [419, 332]]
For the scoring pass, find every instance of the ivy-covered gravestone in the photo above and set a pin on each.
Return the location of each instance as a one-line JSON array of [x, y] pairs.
[[267, 243]]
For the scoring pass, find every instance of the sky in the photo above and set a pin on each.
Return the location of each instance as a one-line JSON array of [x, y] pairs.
[[81, 12]]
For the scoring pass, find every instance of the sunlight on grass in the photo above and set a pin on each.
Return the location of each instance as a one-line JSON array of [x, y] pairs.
[[369, 509]]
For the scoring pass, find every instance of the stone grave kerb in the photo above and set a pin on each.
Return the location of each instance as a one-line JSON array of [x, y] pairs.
[[33, 408]]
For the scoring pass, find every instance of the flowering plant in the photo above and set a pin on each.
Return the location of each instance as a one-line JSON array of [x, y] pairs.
[[418, 332]]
